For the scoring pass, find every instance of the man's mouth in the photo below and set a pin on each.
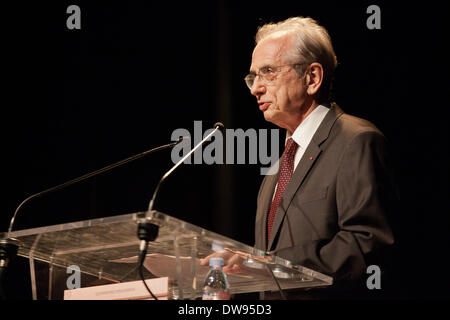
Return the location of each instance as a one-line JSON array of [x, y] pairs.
[[263, 106]]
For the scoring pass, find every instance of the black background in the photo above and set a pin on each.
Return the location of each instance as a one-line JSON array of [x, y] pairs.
[[76, 100]]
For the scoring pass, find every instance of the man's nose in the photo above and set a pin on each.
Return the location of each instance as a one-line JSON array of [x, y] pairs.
[[258, 87]]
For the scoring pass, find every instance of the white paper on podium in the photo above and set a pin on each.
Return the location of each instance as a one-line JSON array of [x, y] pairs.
[[133, 290]]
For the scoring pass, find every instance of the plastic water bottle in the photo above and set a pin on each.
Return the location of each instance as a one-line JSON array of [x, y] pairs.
[[216, 284]]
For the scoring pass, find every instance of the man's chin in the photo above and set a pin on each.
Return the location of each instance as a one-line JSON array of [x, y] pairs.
[[275, 120], [269, 116]]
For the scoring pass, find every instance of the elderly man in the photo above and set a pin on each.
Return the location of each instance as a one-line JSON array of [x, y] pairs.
[[327, 207]]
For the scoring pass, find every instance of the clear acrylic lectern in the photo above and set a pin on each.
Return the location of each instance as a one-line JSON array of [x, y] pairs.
[[105, 252]]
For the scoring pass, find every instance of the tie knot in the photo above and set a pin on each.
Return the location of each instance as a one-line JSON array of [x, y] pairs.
[[291, 146]]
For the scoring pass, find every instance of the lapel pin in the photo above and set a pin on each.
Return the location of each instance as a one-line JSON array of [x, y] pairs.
[[310, 158]]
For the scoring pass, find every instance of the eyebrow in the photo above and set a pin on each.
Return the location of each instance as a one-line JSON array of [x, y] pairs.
[[264, 66]]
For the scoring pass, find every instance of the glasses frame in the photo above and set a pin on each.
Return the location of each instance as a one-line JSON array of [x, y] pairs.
[[250, 78]]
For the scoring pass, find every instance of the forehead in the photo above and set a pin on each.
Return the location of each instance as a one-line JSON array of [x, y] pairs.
[[270, 51]]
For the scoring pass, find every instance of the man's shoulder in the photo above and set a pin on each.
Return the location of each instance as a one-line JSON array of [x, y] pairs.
[[350, 130], [352, 126], [346, 124]]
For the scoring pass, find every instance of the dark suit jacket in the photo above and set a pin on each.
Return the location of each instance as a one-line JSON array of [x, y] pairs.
[[333, 215]]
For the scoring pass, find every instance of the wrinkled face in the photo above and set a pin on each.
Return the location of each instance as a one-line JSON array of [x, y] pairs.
[[282, 97]]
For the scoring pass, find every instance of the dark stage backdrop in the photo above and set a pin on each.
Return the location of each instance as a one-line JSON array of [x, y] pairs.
[[77, 100]]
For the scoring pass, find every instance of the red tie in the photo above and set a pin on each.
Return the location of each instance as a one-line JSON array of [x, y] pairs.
[[287, 168]]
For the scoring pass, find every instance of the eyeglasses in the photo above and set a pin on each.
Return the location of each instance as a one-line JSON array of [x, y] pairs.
[[267, 74]]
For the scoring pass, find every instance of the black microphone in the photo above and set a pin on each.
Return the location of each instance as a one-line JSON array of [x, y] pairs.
[[217, 126], [90, 175], [148, 231], [9, 247]]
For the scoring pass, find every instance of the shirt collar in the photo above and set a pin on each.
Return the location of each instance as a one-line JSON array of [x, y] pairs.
[[308, 127]]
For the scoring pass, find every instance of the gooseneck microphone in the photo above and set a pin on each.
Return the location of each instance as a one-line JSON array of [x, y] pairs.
[[217, 126], [9, 247], [146, 230], [90, 175]]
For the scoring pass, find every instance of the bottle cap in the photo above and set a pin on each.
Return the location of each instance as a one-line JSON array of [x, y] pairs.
[[216, 262]]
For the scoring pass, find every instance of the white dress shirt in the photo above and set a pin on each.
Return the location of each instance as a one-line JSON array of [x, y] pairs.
[[306, 130], [304, 133]]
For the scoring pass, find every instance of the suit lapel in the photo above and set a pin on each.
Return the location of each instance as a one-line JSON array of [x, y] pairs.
[[263, 208], [307, 161]]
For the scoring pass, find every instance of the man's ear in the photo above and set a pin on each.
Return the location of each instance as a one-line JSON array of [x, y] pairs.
[[314, 78]]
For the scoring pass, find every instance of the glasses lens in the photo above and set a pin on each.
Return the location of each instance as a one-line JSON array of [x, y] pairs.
[[249, 80]]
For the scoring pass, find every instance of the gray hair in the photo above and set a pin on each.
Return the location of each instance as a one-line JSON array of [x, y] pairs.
[[312, 44]]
